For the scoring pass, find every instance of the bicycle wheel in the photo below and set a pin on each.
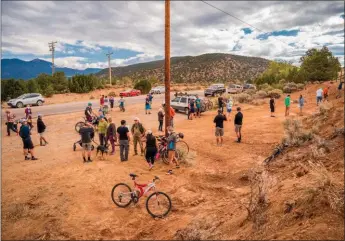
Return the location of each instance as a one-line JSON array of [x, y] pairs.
[[268, 159], [182, 146], [165, 157], [158, 204], [121, 195], [79, 125]]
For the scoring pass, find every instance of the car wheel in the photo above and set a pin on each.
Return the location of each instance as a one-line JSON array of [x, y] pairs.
[[19, 105], [212, 94], [158, 92], [186, 110], [39, 103]]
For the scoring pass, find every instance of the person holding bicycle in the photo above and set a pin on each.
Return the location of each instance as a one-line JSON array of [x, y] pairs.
[[171, 140], [151, 148], [88, 112]]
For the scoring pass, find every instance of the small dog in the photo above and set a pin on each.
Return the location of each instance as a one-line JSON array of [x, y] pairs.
[[103, 149]]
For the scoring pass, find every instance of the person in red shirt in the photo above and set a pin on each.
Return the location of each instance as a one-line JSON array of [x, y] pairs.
[[325, 93], [172, 114], [28, 111], [101, 100]]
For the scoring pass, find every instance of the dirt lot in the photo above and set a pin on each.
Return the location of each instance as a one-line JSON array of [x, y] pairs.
[[59, 197]]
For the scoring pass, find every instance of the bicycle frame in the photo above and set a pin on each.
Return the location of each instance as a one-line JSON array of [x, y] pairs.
[[144, 188]]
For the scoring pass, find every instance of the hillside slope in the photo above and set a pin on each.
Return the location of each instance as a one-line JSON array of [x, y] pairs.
[[19, 69], [206, 67]]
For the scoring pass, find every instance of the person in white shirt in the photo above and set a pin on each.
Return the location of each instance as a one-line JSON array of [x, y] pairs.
[[229, 105], [319, 96]]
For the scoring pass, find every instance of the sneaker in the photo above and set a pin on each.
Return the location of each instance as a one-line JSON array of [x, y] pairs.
[[135, 154], [112, 153], [151, 166], [27, 158], [177, 166], [169, 172], [34, 158], [141, 154]]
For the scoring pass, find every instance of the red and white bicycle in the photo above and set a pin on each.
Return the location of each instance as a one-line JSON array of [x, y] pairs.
[[158, 204]]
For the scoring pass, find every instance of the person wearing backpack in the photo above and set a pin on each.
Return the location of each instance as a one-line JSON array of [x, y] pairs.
[[171, 142], [138, 132], [41, 127]]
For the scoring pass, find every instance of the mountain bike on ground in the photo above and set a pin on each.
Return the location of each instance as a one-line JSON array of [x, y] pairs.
[[80, 124], [158, 204]]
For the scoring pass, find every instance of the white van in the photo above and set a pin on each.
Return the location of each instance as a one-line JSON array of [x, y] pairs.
[[234, 89]]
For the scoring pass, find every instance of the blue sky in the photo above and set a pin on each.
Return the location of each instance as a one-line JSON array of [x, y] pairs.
[[134, 31]]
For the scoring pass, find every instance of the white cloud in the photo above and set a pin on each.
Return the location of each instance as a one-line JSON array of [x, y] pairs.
[[196, 28]]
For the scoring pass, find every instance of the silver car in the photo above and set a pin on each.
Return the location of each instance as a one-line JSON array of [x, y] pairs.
[[26, 99]]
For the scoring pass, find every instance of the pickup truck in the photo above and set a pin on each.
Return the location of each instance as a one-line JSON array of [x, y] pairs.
[[180, 103], [215, 89]]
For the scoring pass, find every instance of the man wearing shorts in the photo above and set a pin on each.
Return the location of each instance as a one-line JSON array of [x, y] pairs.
[[171, 140], [41, 127], [86, 133], [238, 124], [198, 106], [219, 120], [287, 105], [28, 146], [191, 109]]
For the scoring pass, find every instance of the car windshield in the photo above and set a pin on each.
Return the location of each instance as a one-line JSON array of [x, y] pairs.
[[21, 97], [214, 87]]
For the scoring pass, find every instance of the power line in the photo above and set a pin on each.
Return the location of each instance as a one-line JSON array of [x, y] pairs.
[[231, 15]]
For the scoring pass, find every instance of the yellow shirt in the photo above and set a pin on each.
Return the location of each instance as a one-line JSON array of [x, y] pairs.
[[102, 127]]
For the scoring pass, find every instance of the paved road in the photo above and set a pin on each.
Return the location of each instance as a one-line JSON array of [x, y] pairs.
[[80, 106]]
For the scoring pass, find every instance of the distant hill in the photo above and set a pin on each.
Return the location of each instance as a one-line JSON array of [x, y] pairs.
[[20, 69], [207, 67]]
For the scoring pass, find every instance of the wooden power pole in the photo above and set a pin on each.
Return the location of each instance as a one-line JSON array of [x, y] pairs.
[[167, 65], [52, 49], [108, 54]]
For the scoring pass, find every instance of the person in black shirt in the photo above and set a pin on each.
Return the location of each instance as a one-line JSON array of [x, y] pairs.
[[124, 137], [41, 127], [220, 103], [272, 106], [238, 124], [219, 120], [151, 148], [28, 146], [87, 133]]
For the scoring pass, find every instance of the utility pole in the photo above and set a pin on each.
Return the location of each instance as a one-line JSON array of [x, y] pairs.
[[52, 49], [167, 65], [108, 54]]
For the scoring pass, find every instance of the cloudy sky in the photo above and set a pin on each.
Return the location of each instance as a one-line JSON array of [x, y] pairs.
[[134, 31]]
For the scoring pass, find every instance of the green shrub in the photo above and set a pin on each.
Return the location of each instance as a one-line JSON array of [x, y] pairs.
[[290, 87], [113, 94], [49, 91], [261, 94], [264, 86], [250, 91], [243, 98], [300, 86], [144, 86], [276, 93]]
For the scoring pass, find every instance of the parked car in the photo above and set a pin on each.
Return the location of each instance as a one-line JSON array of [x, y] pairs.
[[215, 89], [249, 87], [26, 99], [234, 89], [128, 93], [180, 103], [158, 90]]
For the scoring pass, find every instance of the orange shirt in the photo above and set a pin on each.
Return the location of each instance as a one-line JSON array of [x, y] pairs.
[[325, 91]]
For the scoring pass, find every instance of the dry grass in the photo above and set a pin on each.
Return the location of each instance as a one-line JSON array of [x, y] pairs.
[[325, 107], [259, 102], [243, 98], [261, 94], [295, 135]]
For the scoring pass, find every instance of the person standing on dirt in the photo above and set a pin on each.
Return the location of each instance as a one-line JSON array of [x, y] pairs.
[[172, 115], [147, 105], [340, 87], [220, 103], [198, 106], [325, 93], [86, 132], [122, 104], [229, 105], [238, 124], [41, 127], [111, 135], [150, 99], [102, 131], [171, 142], [29, 121], [160, 119], [219, 121], [124, 137], [101, 100], [28, 111], [151, 149], [191, 109], [88, 112], [300, 104], [111, 100], [28, 146], [138, 132], [106, 105], [319, 93], [10, 123], [287, 105], [272, 106]]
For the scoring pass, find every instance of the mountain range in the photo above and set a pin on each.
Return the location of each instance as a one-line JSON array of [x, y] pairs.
[[202, 68], [20, 69]]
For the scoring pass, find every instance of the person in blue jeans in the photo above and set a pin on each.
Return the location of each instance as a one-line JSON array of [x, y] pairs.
[[301, 104]]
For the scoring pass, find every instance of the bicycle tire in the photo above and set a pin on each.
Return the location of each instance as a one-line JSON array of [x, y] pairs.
[[164, 213], [79, 125], [112, 195], [268, 159], [183, 146], [165, 157]]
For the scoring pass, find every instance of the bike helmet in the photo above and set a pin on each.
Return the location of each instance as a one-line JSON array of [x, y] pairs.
[[89, 104], [181, 135]]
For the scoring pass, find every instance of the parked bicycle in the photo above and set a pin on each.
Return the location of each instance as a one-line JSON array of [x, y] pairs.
[[158, 204], [277, 150]]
